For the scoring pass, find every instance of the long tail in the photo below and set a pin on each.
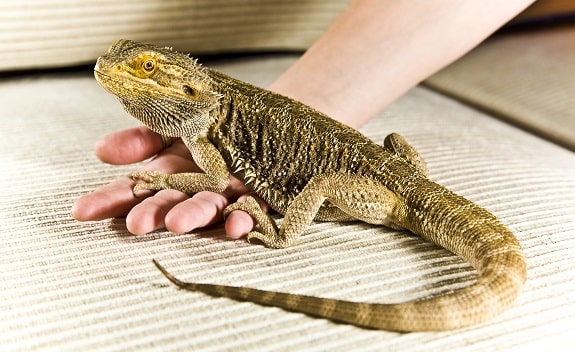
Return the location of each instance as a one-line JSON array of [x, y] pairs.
[[455, 224]]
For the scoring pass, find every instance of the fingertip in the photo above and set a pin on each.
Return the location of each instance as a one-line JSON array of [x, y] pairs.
[[139, 224], [238, 224], [179, 223], [106, 149], [81, 210], [100, 149], [90, 207], [128, 146]]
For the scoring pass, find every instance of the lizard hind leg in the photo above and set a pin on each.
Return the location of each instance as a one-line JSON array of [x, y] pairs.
[[360, 197], [398, 145]]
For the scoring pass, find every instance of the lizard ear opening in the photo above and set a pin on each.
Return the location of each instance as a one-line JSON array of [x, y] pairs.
[[201, 98], [189, 90]]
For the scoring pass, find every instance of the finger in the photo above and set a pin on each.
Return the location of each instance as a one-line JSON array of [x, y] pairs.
[[129, 146], [239, 223], [117, 199], [110, 201], [203, 209], [149, 215]]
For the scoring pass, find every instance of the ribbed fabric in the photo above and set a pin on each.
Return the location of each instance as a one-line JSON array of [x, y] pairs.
[[70, 286], [527, 78], [39, 34]]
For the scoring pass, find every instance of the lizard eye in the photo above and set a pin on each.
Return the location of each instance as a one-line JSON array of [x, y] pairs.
[[149, 65]]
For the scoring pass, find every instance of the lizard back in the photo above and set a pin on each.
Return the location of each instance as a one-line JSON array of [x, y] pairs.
[[276, 145]]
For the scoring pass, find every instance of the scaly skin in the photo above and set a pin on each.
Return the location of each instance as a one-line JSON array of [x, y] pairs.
[[310, 167]]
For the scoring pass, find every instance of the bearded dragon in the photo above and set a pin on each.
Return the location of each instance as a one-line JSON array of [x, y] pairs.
[[309, 167]]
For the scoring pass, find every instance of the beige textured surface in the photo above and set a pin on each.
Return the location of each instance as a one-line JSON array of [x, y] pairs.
[[54, 33], [91, 286], [527, 78]]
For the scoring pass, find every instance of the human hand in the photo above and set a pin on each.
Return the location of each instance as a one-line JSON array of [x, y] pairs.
[[170, 209]]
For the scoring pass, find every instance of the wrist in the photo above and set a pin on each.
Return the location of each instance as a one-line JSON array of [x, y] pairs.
[[311, 87]]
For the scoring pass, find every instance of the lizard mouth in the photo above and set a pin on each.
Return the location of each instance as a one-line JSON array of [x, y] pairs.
[[98, 73], [104, 79], [116, 85], [101, 75]]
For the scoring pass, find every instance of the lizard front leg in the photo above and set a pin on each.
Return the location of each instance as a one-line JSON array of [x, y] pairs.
[[360, 197], [206, 156]]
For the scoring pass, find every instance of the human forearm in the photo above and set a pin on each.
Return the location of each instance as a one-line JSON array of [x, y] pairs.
[[377, 50]]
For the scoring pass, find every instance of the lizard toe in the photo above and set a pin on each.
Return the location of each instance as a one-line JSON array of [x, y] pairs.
[[149, 180]]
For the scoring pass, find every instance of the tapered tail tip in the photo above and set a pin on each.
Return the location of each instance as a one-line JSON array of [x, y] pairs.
[[167, 274]]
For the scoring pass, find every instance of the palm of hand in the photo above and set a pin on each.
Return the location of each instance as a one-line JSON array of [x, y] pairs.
[[176, 211]]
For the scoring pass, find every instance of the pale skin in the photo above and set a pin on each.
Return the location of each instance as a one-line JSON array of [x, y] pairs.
[[373, 53]]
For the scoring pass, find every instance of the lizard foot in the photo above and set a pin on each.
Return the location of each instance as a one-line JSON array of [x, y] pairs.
[[150, 180], [269, 235]]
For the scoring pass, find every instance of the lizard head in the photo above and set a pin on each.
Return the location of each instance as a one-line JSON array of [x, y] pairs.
[[167, 91]]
